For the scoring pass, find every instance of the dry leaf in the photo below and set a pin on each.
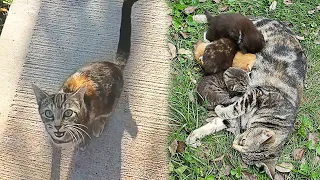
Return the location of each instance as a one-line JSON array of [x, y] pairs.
[[248, 175], [181, 146], [3, 10], [191, 98], [287, 2], [298, 154], [173, 147], [223, 8], [273, 5], [200, 18], [316, 33], [278, 177], [216, 1], [301, 38], [317, 41], [311, 11], [184, 35], [284, 167], [190, 9], [313, 137], [202, 1], [186, 52], [219, 158], [172, 50], [316, 160], [227, 170]]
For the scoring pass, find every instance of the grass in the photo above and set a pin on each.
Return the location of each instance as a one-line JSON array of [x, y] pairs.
[[187, 115]]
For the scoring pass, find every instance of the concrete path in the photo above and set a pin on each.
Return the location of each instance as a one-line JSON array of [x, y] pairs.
[[47, 40]]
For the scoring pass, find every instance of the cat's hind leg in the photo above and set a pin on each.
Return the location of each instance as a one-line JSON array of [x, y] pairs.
[[215, 125], [98, 125]]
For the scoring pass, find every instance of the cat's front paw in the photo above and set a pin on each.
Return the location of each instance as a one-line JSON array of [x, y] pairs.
[[220, 112], [193, 139]]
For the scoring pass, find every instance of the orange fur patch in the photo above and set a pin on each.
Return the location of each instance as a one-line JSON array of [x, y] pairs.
[[79, 80], [199, 49], [244, 61]]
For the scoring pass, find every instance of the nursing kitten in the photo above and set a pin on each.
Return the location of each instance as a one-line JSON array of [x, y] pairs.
[[237, 27], [266, 113], [218, 56], [89, 96], [240, 60], [223, 87], [244, 61]]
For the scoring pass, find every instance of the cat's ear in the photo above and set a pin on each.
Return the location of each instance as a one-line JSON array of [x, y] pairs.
[[267, 136], [40, 94], [80, 92], [269, 166]]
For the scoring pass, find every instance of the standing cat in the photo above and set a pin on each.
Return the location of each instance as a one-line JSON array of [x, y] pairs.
[[237, 27], [266, 113], [89, 96]]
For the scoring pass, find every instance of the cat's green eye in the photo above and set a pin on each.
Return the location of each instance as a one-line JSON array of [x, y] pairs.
[[67, 113], [48, 114]]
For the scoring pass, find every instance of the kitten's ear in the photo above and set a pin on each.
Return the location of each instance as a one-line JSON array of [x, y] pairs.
[[40, 94], [80, 92], [269, 166]]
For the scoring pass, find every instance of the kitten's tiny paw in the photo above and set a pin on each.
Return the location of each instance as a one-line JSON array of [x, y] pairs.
[[193, 139]]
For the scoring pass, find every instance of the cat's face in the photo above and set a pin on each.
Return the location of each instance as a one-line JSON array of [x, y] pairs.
[[236, 80], [254, 140], [61, 114], [252, 42], [260, 146]]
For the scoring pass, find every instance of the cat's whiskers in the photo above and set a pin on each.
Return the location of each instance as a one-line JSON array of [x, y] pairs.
[[82, 130], [72, 136], [81, 125], [79, 133]]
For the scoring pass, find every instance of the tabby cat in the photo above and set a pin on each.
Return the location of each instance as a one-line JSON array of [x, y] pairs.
[[223, 87], [89, 96], [263, 118]]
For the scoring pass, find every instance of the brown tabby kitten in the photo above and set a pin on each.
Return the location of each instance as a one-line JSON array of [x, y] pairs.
[[89, 96], [218, 56], [223, 87], [237, 27], [266, 113]]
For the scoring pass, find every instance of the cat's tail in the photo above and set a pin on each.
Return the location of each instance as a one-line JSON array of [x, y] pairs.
[[124, 44]]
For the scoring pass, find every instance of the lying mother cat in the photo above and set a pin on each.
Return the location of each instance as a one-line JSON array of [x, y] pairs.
[[266, 113]]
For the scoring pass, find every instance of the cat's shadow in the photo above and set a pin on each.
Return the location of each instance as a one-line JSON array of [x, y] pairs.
[[102, 157]]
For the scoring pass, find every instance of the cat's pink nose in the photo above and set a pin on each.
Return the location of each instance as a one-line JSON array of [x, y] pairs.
[[58, 127]]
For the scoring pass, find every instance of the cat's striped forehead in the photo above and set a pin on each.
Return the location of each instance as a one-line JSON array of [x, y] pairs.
[[58, 100]]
